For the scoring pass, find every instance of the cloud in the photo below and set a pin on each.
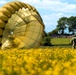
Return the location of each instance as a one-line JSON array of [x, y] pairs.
[[2, 1], [30, 1], [57, 6], [50, 20], [53, 5]]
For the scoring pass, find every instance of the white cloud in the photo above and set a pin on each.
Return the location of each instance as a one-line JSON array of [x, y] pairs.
[[30, 1], [50, 21], [2, 1], [53, 18], [57, 6], [53, 5]]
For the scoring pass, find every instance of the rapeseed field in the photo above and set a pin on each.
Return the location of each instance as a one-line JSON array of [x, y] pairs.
[[42, 61]]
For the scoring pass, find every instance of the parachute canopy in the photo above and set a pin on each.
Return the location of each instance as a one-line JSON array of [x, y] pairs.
[[20, 26]]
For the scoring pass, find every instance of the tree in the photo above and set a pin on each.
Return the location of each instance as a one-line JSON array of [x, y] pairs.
[[62, 24], [71, 21], [55, 31]]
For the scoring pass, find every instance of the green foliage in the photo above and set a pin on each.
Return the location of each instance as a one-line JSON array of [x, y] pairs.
[[46, 41], [55, 31], [71, 21], [62, 24]]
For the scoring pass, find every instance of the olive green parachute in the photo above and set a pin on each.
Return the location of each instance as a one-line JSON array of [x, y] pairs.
[[21, 26]]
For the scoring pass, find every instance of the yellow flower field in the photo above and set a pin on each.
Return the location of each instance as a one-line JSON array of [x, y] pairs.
[[46, 61]]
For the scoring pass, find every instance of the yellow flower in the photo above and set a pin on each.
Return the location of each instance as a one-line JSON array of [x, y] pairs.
[[44, 61], [2, 73]]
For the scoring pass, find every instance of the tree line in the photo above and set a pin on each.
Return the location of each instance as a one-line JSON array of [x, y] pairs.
[[65, 23]]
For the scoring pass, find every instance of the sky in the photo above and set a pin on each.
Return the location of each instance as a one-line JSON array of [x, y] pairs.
[[50, 10]]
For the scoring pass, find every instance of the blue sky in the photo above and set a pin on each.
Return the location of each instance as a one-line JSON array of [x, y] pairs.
[[51, 10]]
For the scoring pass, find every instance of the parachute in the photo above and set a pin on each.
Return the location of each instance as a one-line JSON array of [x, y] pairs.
[[21, 26]]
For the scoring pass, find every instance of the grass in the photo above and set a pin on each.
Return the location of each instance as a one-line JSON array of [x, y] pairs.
[[60, 41]]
